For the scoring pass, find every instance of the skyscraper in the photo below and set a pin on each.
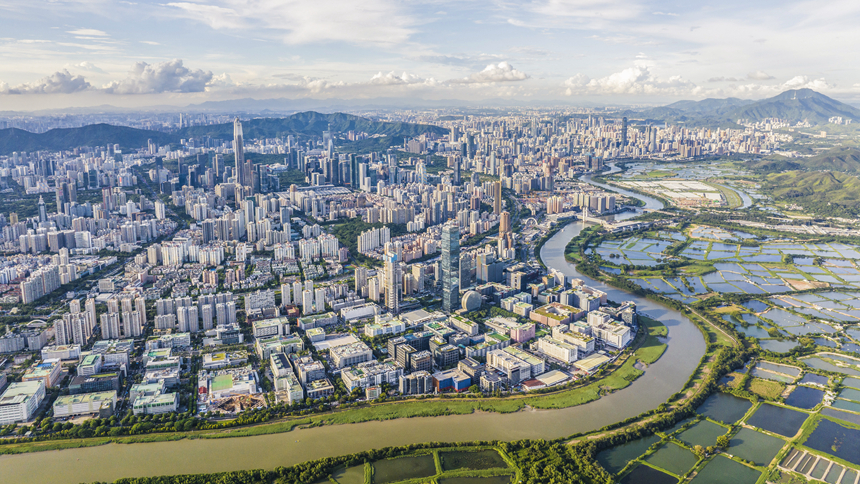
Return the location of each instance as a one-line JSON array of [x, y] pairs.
[[392, 279], [451, 267], [43, 213], [497, 198], [624, 131], [239, 151]]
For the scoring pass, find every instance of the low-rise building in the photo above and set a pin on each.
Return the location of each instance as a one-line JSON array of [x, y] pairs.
[[492, 341], [416, 383], [271, 327], [48, 371], [583, 342], [371, 373], [278, 344], [308, 369], [319, 388], [559, 350], [383, 326], [554, 314], [315, 334], [317, 320], [155, 404], [61, 352], [100, 403], [465, 325], [90, 365], [351, 354], [289, 389], [20, 400], [103, 382], [223, 359], [452, 379]]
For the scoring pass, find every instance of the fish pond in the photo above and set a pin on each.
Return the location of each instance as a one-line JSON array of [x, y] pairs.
[[703, 433], [403, 468], [755, 446], [615, 458], [778, 420], [673, 458], [837, 440], [724, 407], [805, 398], [722, 470], [645, 474]]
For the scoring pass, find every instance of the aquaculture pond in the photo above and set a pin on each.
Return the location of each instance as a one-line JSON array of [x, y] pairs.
[[777, 368], [394, 470], [755, 446], [673, 458], [851, 382], [850, 394], [839, 414], [615, 458], [722, 470], [846, 405], [703, 433], [834, 439], [805, 398], [814, 379], [724, 407], [350, 475], [476, 480], [822, 363], [778, 420], [645, 474], [483, 459], [778, 346]]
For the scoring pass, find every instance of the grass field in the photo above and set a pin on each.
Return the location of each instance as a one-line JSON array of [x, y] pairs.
[[732, 198], [767, 389]]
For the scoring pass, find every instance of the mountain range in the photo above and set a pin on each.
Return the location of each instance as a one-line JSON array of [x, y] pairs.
[[300, 125], [793, 105]]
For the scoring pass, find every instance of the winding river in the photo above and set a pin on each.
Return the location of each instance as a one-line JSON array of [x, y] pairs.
[[110, 462]]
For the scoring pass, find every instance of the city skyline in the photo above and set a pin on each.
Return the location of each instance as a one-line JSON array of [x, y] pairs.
[[75, 53]]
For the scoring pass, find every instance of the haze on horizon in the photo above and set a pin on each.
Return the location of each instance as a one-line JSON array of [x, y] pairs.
[[90, 52]]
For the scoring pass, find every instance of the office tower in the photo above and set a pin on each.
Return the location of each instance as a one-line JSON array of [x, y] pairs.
[[239, 152], [43, 214], [505, 222], [456, 171], [354, 181], [624, 131], [450, 267], [497, 198], [393, 279]]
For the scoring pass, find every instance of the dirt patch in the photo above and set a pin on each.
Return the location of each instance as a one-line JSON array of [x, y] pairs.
[[798, 285]]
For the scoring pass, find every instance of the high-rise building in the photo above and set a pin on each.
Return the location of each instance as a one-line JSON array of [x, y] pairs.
[[624, 131], [505, 222], [239, 152], [392, 279], [451, 267], [43, 213], [497, 198]]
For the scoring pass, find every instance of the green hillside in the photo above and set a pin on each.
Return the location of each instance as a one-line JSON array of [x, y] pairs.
[[822, 192], [13, 139], [837, 159], [300, 125], [311, 124]]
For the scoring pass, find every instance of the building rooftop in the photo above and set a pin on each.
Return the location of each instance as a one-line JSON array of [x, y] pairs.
[[64, 400]]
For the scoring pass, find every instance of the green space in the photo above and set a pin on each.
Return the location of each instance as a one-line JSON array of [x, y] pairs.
[[482, 459], [767, 389]]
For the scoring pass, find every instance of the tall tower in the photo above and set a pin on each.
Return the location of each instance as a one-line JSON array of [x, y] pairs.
[[451, 267], [624, 131], [43, 213], [497, 198], [239, 151], [392, 280]]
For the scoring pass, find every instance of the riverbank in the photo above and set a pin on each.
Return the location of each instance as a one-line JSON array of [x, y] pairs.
[[647, 349]]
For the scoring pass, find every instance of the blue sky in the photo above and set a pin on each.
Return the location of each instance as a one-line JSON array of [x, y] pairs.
[[135, 53]]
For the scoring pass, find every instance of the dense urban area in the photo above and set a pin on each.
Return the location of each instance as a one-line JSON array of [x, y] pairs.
[[254, 276]]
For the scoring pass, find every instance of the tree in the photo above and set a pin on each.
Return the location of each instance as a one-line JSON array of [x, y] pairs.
[[699, 450], [723, 441]]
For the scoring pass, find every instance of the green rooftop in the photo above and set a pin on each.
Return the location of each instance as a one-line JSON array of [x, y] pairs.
[[222, 382]]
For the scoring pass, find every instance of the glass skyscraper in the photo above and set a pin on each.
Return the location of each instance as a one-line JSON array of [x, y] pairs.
[[451, 268]]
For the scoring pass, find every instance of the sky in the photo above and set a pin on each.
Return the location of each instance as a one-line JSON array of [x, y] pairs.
[[64, 53]]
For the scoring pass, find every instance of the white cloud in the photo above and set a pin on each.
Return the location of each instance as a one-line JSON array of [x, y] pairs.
[[149, 42], [89, 33], [636, 80], [171, 76], [86, 66], [300, 22], [392, 79], [759, 76], [803, 82], [501, 72], [61, 82]]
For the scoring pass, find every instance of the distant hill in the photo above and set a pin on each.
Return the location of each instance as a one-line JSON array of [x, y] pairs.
[[794, 105], [797, 105], [14, 139], [837, 159], [300, 125], [824, 192], [311, 124]]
